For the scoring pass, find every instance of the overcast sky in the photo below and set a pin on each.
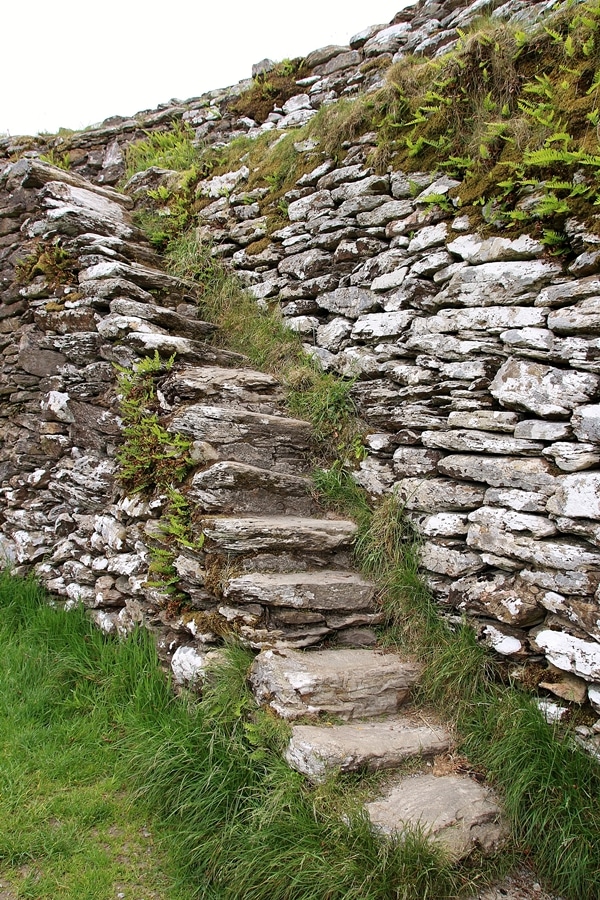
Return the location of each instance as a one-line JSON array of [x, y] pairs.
[[74, 63]]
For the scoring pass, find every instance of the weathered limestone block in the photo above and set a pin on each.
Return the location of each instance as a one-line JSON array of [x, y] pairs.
[[450, 561], [444, 524], [502, 471], [375, 326], [322, 590], [521, 501], [317, 751], [454, 811], [435, 494], [310, 206], [583, 318], [499, 283], [565, 293], [586, 423], [190, 666], [499, 596], [491, 537], [166, 345], [428, 237], [538, 430], [351, 301], [335, 334], [577, 496], [305, 265], [491, 319], [279, 533], [391, 211], [504, 639], [572, 457], [580, 614], [228, 486], [344, 683], [570, 653], [374, 184], [236, 387], [411, 461], [388, 40], [485, 420], [476, 250], [544, 390], [226, 425], [469, 441]]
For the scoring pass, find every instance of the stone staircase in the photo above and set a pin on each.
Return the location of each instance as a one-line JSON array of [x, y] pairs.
[[287, 583]]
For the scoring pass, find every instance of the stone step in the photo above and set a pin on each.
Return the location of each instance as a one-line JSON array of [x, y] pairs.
[[321, 590], [277, 533], [452, 810], [256, 439], [174, 322], [232, 486], [317, 750], [346, 683], [217, 385], [146, 343]]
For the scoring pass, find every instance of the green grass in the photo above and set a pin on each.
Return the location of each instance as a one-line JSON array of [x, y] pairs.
[[166, 149], [68, 827]]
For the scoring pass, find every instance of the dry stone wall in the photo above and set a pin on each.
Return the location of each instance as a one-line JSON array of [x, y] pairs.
[[476, 364]]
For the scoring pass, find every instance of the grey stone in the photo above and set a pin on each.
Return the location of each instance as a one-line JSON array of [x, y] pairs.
[[583, 317], [374, 326], [435, 494], [544, 390], [452, 810], [316, 751], [412, 461], [344, 683], [387, 212], [586, 423], [499, 283], [502, 471], [577, 496], [335, 334], [428, 237], [486, 420], [305, 265], [278, 533], [310, 206], [571, 654], [449, 561], [351, 301], [387, 40], [322, 590], [500, 596], [573, 457], [476, 250], [479, 442]]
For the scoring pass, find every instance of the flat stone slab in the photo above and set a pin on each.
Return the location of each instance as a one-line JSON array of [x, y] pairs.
[[346, 683], [323, 590], [279, 533], [217, 384], [233, 486], [317, 750], [452, 810]]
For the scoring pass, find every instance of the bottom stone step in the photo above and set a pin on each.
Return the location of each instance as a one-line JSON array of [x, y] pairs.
[[346, 683], [317, 750], [452, 810]]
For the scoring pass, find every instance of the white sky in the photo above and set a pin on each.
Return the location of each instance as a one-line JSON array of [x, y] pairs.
[[74, 63]]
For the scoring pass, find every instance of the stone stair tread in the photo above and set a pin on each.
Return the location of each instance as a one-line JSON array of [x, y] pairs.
[[452, 810], [217, 383], [240, 534], [346, 683], [316, 750], [252, 489], [322, 589]]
